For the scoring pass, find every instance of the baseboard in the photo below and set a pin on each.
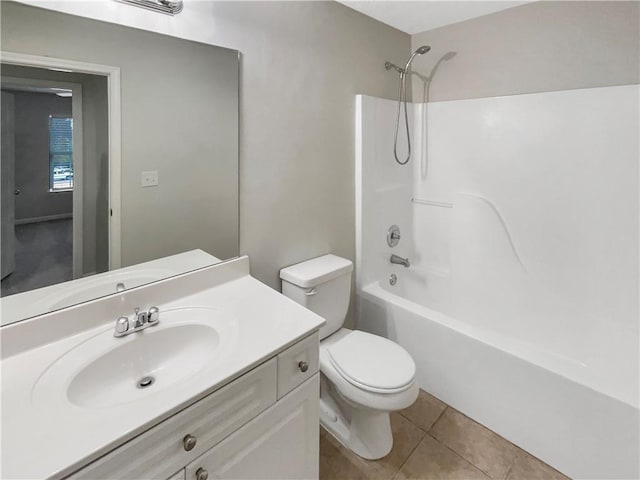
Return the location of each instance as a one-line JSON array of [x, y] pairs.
[[48, 218]]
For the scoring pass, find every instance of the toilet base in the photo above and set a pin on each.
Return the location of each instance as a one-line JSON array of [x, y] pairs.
[[364, 431]]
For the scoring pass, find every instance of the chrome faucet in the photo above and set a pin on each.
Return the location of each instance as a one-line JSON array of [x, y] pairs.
[[139, 321], [120, 287], [400, 261]]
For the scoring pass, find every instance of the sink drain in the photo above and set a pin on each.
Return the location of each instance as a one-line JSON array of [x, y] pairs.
[[146, 382]]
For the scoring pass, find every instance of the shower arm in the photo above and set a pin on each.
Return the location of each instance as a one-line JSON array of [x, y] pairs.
[[389, 66]]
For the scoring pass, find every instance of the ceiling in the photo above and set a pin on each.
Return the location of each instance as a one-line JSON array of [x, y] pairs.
[[61, 92], [417, 16]]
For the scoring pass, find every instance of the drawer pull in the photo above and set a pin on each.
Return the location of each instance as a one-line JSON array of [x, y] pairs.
[[303, 366], [189, 442], [202, 474]]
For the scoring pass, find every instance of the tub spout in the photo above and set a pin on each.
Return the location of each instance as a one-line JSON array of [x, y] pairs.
[[400, 261]]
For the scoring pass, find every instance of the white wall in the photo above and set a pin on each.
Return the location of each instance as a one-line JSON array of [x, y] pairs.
[[302, 63]]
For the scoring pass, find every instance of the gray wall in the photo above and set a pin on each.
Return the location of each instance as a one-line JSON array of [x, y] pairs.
[[95, 157], [302, 64], [538, 47], [32, 111]]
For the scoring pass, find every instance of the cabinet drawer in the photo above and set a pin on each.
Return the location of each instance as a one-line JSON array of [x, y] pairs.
[[298, 363], [160, 451]]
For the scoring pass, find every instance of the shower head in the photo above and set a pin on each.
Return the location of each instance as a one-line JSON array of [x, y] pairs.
[[419, 51], [403, 71]]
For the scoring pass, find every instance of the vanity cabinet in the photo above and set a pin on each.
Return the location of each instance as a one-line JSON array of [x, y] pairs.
[[281, 443], [264, 424]]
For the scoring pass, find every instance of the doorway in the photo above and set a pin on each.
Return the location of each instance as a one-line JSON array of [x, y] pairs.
[[42, 153]]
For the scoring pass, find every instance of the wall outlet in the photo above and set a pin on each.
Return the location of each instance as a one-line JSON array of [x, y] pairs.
[[149, 179]]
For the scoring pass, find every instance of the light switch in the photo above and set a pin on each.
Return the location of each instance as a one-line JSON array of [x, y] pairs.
[[149, 179]]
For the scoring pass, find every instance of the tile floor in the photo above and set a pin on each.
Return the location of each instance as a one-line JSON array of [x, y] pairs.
[[434, 441]]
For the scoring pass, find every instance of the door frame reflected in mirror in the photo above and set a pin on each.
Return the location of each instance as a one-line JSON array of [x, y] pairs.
[[114, 130], [78, 157]]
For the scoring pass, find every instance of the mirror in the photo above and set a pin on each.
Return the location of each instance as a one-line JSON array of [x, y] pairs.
[[119, 158]]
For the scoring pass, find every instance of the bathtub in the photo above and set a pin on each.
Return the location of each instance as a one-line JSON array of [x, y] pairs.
[[527, 368]]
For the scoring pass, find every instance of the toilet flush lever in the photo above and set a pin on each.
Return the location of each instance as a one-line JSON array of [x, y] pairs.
[[312, 292]]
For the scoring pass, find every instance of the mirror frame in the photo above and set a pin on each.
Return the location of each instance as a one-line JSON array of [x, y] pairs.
[[113, 127]]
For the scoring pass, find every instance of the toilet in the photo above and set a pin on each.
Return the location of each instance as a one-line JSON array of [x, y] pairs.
[[363, 377]]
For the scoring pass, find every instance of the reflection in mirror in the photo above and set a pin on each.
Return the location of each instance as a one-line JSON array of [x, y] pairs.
[[112, 157], [54, 223], [35, 302]]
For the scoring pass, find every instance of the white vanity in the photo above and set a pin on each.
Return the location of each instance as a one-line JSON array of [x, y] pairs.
[[226, 385]]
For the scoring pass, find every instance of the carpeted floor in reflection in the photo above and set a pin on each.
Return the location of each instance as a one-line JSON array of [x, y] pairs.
[[43, 256]]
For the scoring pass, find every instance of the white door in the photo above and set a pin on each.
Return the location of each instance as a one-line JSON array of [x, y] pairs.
[[7, 201]]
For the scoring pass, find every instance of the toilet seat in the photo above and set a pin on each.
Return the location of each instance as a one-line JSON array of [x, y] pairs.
[[383, 400], [372, 363]]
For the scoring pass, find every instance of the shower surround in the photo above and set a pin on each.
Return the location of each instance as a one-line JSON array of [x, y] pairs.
[[519, 216]]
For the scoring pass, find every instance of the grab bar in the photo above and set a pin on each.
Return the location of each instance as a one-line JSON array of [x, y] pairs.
[[432, 203]]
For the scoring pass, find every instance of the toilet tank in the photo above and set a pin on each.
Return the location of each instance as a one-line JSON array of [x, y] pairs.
[[323, 285]]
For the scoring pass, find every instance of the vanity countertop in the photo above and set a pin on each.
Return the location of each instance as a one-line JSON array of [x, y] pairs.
[[47, 435]]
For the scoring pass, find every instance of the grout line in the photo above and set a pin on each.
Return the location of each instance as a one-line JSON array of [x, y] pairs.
[[409, 456], [405, 417], [429, 432], [487, 474], [438, 419], [461, 457], [513, 462]]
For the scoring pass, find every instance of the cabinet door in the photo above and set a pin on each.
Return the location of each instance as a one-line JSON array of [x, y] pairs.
[[280, 443]]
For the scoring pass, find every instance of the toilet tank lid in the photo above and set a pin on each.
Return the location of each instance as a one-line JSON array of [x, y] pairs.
[[316, 271]]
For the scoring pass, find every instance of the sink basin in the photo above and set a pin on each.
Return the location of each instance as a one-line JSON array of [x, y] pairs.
[[104, 371], [154, 361]]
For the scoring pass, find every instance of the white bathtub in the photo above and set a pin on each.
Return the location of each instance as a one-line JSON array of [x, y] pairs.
[[524, 367]]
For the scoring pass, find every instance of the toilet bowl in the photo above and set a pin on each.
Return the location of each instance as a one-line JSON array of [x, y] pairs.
[[356, 403], [364, 377]]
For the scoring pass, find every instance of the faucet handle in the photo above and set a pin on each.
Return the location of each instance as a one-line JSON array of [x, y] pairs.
[[153, 315], [122, 326], [139, 319]]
